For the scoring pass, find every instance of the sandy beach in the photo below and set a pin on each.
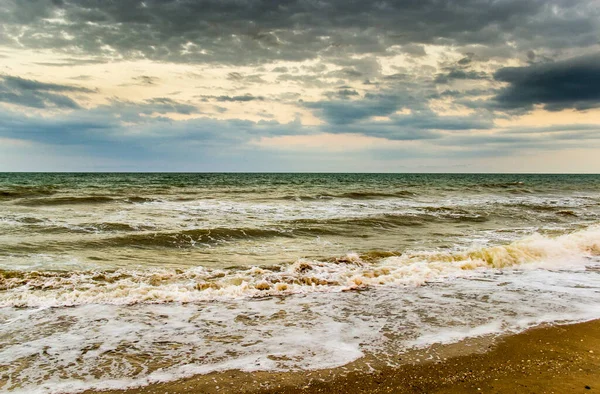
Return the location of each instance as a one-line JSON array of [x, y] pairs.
[[552, 359]]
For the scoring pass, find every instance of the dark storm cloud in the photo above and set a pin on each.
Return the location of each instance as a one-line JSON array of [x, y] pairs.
[[257, 31], [571, 83], [36, 94]]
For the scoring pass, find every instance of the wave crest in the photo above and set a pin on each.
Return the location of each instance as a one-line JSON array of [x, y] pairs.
[[350, 272]]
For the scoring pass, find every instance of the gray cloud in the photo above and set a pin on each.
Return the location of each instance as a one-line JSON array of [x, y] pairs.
[[571, 83], [342, 93], [562, 128], [165, 105], [255, 31], [241, 98], [466, 60], [235, 76], [146, 80], [346, 112], [242, 78], [414, 49], [355, 116], [208, 144], [427, 120], [32, 85], [460, 74], [81, 78], [70, 62], [36, 94]]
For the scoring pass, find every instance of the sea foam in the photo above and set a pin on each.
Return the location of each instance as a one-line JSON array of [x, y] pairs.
[[353, 271], [103, 346]]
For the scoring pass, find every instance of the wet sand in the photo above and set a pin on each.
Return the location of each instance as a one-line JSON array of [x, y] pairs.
[[554, 359]]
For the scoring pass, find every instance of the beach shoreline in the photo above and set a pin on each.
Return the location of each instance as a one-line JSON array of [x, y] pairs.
[[196, 282], [544, 359]]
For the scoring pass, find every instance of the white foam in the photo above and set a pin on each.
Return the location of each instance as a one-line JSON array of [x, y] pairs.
[[572, 251], [115, 346], [96, 339]]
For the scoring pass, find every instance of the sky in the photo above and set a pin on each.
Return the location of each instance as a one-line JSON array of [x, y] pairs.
[[300, 85]]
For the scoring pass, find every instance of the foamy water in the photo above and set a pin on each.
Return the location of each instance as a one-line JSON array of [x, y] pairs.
[[36, 289], [114, 281]]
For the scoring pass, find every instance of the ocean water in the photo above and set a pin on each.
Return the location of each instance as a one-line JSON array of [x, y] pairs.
[[121, 280]]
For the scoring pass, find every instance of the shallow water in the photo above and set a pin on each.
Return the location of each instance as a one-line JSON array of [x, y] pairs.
[[114, 280]]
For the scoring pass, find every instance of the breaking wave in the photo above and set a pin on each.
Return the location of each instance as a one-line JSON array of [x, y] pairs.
[[350, 272]]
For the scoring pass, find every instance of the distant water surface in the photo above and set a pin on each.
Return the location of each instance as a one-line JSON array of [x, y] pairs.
[[113, 280]]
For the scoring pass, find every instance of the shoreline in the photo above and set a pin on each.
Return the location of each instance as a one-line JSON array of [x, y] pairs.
[[543, 359]]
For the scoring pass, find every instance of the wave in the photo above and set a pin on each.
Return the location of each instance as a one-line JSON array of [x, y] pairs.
[[392, 220], [350, 272], [294, 228], [14, 192], [141, 235], [362, 195], [104, 227], [517, 187], [66, 200], [563, 208], [209, 236], [191, 238], [21, 220], [83, 200], [503, 185], [46, 226]]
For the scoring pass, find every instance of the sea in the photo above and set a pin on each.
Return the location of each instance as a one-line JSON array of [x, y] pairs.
[[117, 280]]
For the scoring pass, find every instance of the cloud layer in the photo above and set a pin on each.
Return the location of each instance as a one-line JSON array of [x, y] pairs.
[[248, 84], [571, 83]]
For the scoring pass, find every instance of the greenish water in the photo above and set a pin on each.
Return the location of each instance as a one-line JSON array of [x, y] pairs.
[[95, 221], [114, 280]]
